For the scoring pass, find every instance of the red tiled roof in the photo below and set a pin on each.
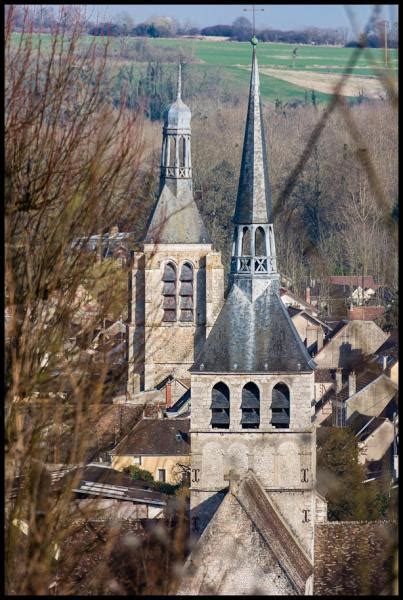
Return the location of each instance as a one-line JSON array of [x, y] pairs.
[[355, 558], [366, 281], [365, 313]]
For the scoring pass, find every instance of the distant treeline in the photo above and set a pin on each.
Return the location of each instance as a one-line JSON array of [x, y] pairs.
[[47, 19]]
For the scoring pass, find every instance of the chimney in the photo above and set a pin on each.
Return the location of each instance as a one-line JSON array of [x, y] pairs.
[[168, 394], [339, 381], [385, 362], [308, 295], [352, 384]]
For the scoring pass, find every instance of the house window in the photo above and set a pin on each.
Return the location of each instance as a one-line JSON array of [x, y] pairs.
[[186, 293], [137, 460], [161, 475], [169, 293], [280, 406], [250, 407], [220, 406]]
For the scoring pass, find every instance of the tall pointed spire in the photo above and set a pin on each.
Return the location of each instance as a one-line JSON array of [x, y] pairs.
[[254, 196], [253, 332], [253, 253]]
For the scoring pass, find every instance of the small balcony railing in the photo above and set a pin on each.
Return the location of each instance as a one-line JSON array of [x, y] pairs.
[[253, 264], [177, 172]]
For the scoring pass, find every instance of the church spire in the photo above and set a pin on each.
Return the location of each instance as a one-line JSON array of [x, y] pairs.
[[253, 246], [253, 332], [176, 218]]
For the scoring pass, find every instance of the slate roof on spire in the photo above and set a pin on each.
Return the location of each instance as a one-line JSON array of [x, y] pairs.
[[256, 336], [254, 196], [176, 218]]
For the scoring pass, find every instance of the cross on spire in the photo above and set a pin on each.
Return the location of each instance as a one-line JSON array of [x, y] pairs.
[[253, 9]]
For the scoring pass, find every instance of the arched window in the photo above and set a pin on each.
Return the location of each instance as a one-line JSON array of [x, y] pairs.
[[260, 242], [245, 242], [172, 144], [220, 406], [186, 293], [280, 406], [250, 407], [169, 293]]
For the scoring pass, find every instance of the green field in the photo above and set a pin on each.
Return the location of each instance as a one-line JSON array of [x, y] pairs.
[[318, 59], [320, 63]]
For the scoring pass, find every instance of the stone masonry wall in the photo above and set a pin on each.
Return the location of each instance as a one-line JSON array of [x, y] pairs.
[[284, 460], [158, 349]]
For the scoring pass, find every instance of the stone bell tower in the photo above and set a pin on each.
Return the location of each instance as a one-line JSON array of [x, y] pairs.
[[177, 280], [253, 383]]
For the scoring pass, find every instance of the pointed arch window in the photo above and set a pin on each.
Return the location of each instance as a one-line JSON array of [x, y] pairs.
[[260, 242], [250, 406], [169, 293], [280, 406], [220, 406], [246, 241], [186, 293]]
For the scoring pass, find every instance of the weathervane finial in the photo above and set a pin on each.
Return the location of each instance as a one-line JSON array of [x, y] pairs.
[[253, 9]]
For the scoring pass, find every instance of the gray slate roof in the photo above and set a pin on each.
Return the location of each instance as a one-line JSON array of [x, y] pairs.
[[176, 218], [252, 334], [156, 437], [253, 203]]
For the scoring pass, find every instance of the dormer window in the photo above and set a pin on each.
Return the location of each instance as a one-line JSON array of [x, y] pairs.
[[250, 407], [169, 293], [186, 293], [280, 406], [220, 406]]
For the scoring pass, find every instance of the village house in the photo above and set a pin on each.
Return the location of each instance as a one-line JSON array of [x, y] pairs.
[[158, 445], [349, 343], [102, 492]]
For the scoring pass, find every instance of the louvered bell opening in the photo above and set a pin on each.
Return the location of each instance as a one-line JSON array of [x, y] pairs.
[[186, 288], [220, 418], [279, 400], [280, 417], [186, 316], [220, 398], [186, 273], [186, 302], [169, 288], [250, 399], [169, 302], [169, 315], [250, 418], [169, 273]]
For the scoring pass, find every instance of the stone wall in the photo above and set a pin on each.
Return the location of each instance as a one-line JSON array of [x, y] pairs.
[[157, 349], [356, 340], [284, 460], [372, 399]]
